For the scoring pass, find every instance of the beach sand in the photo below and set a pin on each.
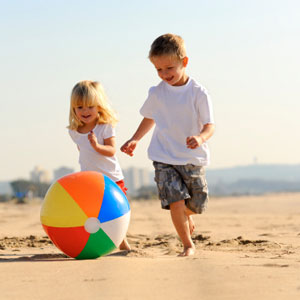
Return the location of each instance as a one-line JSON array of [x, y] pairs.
[[247, 247]]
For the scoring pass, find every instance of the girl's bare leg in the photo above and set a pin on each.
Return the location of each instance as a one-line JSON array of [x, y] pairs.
[[125, 245], [182, 225]]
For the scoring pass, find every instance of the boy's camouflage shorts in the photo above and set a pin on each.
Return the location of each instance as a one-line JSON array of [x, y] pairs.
[[182, 182]]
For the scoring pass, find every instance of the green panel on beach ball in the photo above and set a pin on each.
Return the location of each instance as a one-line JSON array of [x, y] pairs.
[[98, 244]]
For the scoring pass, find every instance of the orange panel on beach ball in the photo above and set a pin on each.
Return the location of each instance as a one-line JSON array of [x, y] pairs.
[[89, 198]]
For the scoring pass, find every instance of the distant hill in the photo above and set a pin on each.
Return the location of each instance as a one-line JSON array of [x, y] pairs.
[[290, 173], [254, 179]]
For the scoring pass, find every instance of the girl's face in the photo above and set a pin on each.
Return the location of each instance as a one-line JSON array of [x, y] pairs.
[[87, 114], [170, 69]]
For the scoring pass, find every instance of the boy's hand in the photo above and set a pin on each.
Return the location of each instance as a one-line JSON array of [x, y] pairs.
[[129, 147], [93, 140], [193, 142]]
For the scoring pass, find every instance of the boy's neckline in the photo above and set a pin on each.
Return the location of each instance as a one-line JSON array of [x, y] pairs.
[[178, 87]]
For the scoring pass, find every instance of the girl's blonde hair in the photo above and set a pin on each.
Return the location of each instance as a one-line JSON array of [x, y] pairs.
[[90, 93]]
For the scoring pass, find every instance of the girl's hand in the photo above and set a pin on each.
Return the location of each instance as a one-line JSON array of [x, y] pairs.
[[93, 140], [107, 149], [193, 142], [129, 147]]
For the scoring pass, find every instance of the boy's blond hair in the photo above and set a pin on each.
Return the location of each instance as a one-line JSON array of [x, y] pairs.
[[168, 44], [90, 93]]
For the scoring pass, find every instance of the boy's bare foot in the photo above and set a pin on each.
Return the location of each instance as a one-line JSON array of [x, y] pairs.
[[188, 251], [124, 245], [191, 224]]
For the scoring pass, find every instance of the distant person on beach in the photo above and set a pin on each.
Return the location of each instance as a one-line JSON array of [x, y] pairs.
[[181, 111], [91, 127]]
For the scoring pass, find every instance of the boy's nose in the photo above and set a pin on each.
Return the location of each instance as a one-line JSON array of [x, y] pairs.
[[165, 73]]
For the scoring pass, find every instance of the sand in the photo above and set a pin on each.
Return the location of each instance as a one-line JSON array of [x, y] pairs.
[[247, 247]]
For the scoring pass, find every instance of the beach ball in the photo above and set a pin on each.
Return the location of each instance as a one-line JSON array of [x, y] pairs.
[[85, 214]]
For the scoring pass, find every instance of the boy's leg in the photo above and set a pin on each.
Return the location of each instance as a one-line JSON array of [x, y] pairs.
[[171, 190], [182, 226], [189, 214]]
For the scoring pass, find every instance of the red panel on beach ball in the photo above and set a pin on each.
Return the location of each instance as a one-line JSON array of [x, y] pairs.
[[70, 240]]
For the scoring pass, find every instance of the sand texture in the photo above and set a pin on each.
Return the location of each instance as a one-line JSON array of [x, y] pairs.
[[247, 248]]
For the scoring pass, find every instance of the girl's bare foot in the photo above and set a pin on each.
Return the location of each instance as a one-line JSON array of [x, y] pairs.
[[188, 251], [124, 245]]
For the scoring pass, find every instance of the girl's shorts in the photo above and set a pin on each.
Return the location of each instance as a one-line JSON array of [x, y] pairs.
[[122, 186], [181, 182]]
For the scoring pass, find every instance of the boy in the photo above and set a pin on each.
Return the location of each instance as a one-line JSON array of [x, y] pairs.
[[181, 111]]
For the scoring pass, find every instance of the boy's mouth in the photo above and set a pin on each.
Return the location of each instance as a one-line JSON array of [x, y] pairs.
[[169, 78]]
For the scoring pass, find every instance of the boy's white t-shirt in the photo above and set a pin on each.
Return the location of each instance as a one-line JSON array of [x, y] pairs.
[[178, 112], [90, 159]]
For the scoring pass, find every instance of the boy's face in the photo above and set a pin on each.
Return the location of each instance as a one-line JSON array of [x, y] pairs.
[[171, 69]]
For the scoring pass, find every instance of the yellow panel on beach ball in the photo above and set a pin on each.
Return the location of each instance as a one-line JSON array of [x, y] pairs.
[[60, 209]]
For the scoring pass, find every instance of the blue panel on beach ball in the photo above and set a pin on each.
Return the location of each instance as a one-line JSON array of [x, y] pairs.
[[114, 204]]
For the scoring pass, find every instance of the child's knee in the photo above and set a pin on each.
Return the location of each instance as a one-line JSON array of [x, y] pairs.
[[178, 205]]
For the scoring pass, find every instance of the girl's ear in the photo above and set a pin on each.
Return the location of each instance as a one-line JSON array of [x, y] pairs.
[[185, 61], [99, 113]]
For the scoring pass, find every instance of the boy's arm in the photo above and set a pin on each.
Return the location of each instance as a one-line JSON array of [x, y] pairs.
[[196, 141], [144, 127]]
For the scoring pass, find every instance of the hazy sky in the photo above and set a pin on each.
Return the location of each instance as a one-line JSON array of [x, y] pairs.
[[246, 53]]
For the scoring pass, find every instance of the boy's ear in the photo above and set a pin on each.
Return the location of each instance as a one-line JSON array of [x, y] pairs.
[[185, 61]]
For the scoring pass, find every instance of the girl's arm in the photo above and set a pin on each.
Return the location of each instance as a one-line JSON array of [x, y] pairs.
[[144, 127], [195, 141], [109, 147]]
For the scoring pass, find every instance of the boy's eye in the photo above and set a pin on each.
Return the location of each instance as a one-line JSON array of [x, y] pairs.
[[79, 107], [169, 68], [91, 107]]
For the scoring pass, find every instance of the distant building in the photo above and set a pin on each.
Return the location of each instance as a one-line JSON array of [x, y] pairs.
[[136, 178], [5, 188], [62, 171], [255, 160], [40, 175]]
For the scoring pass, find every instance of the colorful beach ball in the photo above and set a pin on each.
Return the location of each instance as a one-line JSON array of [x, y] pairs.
[[85, 214]]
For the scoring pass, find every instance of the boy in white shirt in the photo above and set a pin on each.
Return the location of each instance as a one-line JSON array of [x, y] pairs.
[[181, 111]]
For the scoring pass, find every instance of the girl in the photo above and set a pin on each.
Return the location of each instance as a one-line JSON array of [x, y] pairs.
[[91, 128]]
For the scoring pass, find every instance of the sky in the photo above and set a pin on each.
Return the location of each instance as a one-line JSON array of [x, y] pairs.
[[245, 53]]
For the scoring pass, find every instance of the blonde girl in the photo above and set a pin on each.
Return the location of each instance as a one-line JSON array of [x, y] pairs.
[[91, 127]]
